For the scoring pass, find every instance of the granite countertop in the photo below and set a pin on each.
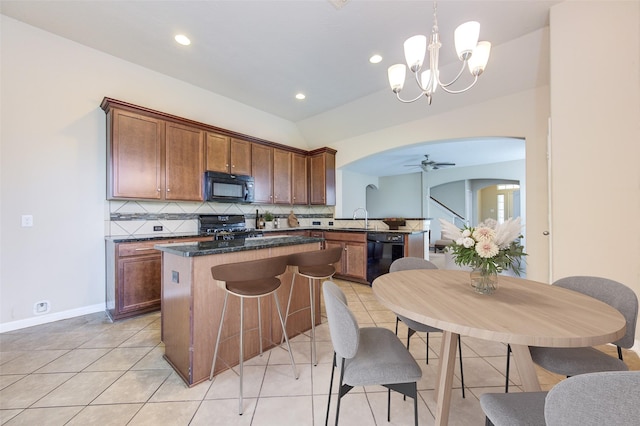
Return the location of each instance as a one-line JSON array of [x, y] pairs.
[[191, 249], [151, 237]]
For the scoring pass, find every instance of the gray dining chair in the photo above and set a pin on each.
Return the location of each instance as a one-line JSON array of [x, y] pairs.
[[367, 356], [412, 263], [605, 398], [573, 361]]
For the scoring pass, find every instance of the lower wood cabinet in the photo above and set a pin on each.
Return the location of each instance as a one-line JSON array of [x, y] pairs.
[[134, 272], [353, 265]]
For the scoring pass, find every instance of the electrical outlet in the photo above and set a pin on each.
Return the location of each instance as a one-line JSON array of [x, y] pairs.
[[175, 277], [27, 221], [41, 307], [315, 222], [157, 228]]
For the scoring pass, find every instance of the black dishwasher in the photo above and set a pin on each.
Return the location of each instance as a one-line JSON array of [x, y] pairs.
[[382, 249]]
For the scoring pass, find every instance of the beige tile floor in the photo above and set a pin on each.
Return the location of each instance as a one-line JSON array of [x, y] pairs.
[[87, 370]]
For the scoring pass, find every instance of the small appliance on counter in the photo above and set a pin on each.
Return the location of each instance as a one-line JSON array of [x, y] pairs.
[[226, 227]]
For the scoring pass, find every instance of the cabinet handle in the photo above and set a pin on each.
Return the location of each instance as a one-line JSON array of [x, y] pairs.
[[144, 248], [158, 189], [168, 190]]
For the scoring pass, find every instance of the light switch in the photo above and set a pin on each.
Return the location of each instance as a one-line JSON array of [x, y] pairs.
[[175, 277], [27, 221]]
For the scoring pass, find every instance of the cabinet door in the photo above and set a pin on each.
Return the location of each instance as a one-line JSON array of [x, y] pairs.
[[356, 260], [240, 154], [135, 156], [323, 179], [281, 177], [138, 284], [217, 153], [341, 264], [184, 163], [299, 179], [262, 171]]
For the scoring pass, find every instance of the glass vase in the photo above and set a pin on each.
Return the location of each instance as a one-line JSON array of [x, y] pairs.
[[484, 281]]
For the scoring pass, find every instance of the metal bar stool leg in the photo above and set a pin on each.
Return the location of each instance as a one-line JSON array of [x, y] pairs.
[[314, 358], [241, 350], [286, 338], [286, 317], [215, 352], [260, 326]]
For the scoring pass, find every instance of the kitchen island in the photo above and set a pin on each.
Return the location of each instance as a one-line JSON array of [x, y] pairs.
[[192, 303]]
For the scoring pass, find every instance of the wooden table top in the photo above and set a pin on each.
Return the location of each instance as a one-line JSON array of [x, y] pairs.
[[521, 311]]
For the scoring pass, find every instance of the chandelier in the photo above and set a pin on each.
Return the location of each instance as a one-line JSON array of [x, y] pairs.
[[472, 53]]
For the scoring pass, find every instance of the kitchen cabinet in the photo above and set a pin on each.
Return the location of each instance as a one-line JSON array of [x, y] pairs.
[[353, 264], [262, 171], [299, 179], [184, 168], [152, 159], [135, 147], [227, 155], [281, 176], [322, 186], [134, 271]]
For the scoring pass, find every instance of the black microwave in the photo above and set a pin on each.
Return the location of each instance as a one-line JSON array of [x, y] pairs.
[[228, 188]]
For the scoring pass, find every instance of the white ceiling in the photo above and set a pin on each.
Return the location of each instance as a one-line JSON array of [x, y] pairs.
[[262, 52]]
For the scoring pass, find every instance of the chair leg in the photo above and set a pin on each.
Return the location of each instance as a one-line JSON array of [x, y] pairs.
[[340, 390], [286, 338], [286, 316], [314, 358], [397, 321], [619, 353], [333, 369], [389, 404], [427, 348], [215, 351], [461, 371], [506, 382]]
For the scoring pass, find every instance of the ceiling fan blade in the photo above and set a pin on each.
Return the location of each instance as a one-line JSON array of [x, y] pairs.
[[444, 164]]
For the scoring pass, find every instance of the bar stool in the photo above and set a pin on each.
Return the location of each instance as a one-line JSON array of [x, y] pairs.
[[251, 279], [317, 266]]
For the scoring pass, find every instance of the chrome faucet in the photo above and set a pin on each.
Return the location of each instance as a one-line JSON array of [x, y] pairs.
[[366, 216]]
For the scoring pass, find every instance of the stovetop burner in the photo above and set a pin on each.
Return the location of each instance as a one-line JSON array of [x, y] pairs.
[[226, 227]]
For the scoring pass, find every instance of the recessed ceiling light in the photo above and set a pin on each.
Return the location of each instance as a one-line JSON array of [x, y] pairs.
[[183, 39], [300, 96], [375, 59]]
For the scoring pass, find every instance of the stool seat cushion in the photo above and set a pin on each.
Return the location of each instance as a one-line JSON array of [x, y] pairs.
[[317, 271], [253, 288], [381, 358]]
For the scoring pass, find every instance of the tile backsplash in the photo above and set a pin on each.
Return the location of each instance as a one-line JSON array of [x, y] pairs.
[[137, 218]]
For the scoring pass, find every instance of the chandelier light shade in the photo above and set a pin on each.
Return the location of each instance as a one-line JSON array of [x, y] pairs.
[[470, 51]]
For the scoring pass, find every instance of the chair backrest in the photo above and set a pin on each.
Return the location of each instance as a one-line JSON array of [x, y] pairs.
[[612, 293], [250, 270], [343, 326], [316, 257], [606, 398], [409, 263]]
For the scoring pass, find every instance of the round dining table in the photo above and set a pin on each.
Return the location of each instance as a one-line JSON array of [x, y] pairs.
[[521, 313]]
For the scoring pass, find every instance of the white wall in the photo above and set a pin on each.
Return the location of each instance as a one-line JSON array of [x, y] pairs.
[[53, 163], [595, 112], [397, 196]]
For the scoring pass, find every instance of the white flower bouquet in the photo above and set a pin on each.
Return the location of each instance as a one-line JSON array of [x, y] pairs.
[[490, 247]]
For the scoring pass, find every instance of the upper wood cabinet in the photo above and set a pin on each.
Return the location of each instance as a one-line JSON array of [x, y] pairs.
[[152, 155], [153, 159], [281, 176], [262, 172], [227, 155], [299, 179], [184, 163], [135, 156], [323, 177]]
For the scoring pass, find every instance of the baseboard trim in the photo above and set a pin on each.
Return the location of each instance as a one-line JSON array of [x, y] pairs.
[[56, 316]]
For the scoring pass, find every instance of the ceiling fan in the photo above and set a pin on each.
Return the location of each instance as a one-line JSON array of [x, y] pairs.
[[428, 165]]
